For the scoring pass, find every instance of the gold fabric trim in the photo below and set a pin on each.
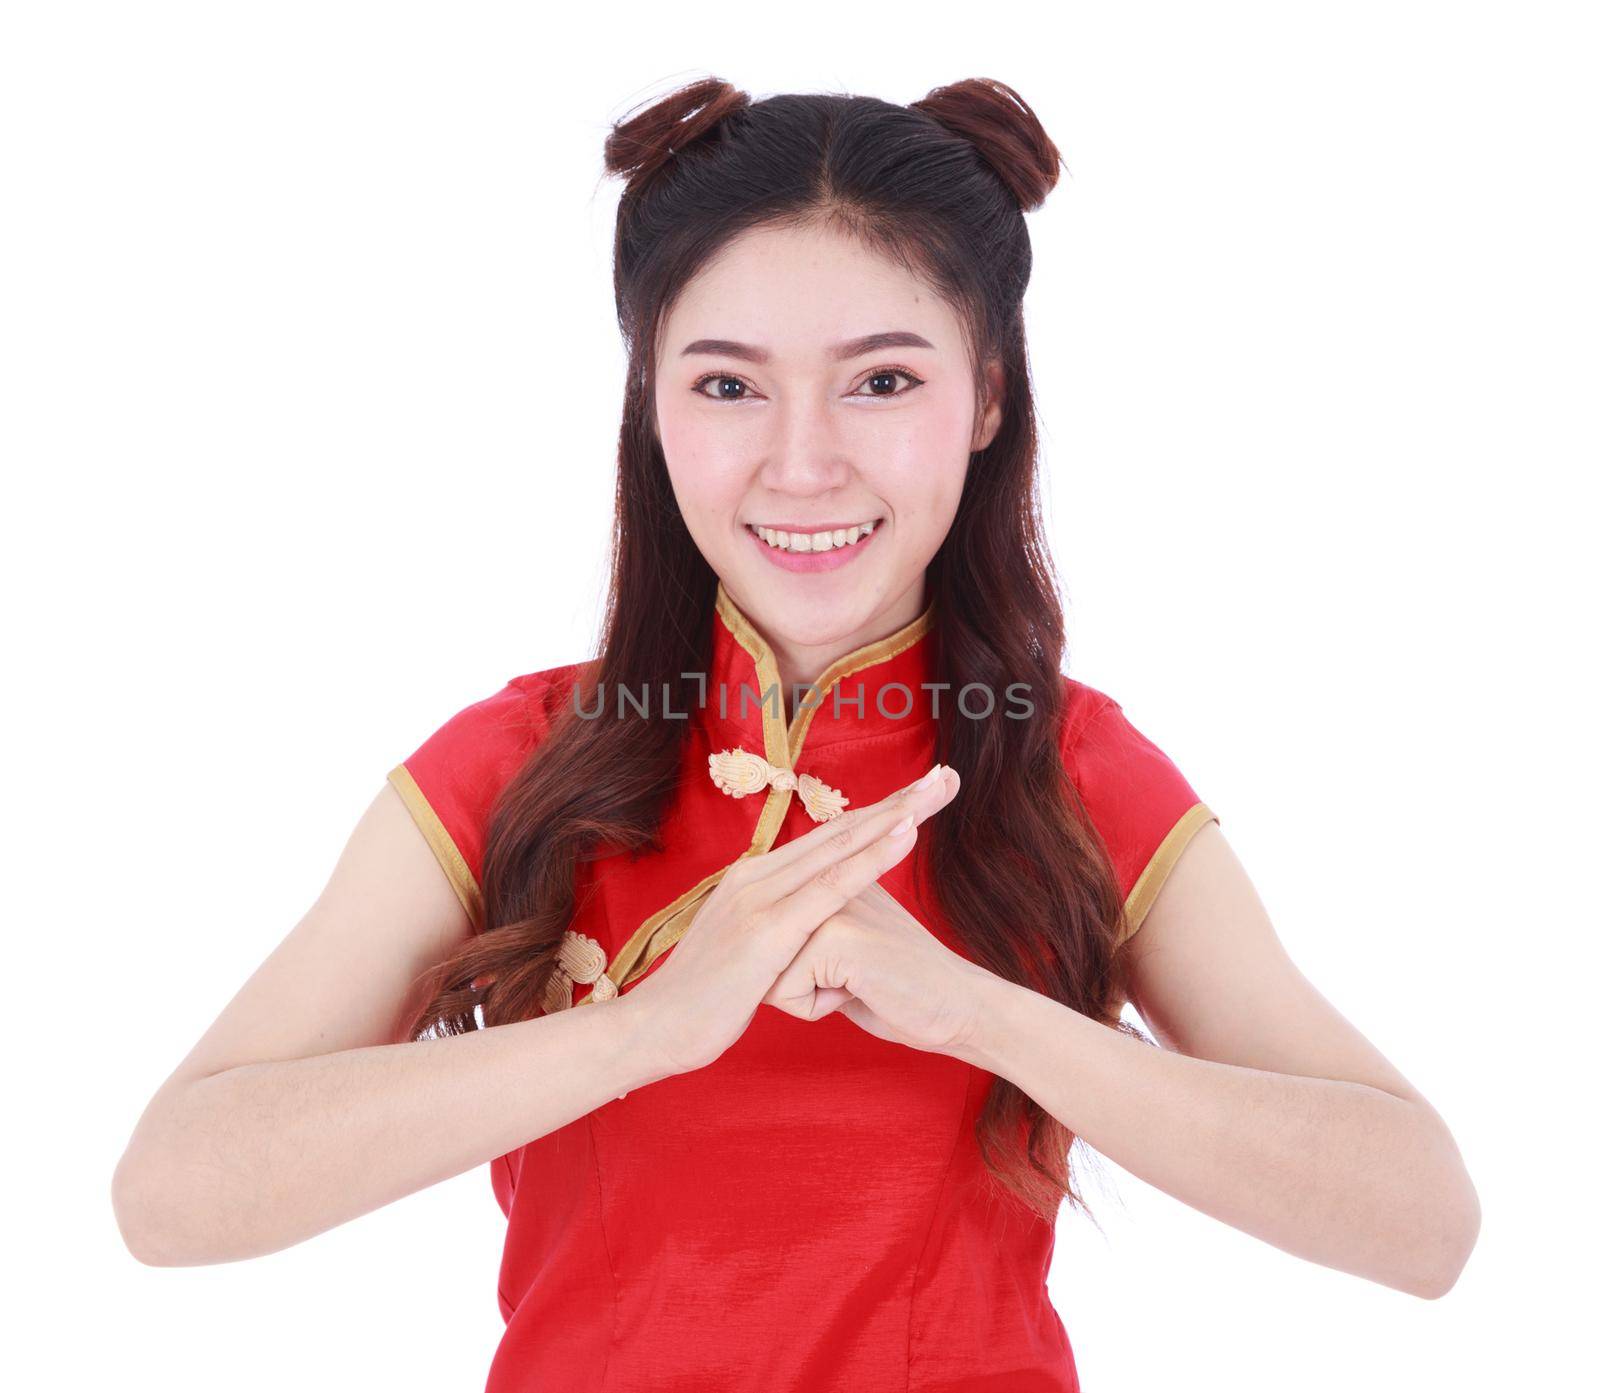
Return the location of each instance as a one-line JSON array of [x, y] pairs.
[[623, 960], [1154, 875], [783, 741], [462, 881], [865, 657]]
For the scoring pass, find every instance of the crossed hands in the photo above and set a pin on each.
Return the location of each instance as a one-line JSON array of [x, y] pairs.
[[807, 928]]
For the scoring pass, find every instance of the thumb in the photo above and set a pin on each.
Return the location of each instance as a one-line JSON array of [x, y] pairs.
[[829, 1000], [868, 1019], [809, 1005]]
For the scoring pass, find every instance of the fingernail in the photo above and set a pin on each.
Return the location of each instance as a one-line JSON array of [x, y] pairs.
[[903, 826], [926, 781]]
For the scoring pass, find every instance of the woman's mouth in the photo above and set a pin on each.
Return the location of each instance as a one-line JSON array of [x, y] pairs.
[[813, 549]]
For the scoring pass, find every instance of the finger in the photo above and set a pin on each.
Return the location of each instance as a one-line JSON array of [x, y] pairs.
[[809, 1004], [884, 813], [798, 991], [836, 883], [785, 869]]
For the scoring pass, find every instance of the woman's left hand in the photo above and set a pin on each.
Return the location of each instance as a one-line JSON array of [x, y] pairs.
[[875, 962]]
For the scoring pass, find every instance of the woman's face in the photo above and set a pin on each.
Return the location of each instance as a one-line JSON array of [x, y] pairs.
[[772, 416]]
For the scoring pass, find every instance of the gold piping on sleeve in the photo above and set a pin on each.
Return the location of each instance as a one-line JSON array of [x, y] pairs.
[[449, 856], [1154, 875]]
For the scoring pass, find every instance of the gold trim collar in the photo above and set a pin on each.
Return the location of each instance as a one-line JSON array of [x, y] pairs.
[[783, 737]]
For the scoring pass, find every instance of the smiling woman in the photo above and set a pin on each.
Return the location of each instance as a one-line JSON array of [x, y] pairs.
[[881, 811]]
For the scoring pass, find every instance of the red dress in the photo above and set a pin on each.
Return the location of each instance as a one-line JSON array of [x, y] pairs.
[[809, 1211]]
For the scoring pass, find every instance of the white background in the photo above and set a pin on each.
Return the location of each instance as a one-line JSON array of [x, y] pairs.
[[311, 385]]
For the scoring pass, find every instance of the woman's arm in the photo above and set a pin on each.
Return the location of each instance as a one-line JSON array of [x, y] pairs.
[[1267, 1109], [299, 1110]]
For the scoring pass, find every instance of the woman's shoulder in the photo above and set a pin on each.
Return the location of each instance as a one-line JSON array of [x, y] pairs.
[[451, 779], [545, 692], [1134, 792], [1111, 759], [1080, 704], [507, 721]]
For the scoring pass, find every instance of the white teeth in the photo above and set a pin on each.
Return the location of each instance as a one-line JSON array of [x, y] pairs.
[[814, 541]]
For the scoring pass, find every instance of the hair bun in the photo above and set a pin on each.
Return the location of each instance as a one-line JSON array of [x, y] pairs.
[[1005, 131], [641, 144]]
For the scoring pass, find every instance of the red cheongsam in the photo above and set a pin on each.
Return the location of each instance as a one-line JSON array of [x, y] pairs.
[[809, 1212]]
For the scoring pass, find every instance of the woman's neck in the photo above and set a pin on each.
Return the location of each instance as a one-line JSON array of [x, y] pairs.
[[804, 663]]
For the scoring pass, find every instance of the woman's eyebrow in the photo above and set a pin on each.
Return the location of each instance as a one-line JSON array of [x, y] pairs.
[[850, 348]]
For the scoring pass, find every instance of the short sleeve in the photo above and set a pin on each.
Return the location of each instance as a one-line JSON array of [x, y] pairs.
[[450, 782], [1142, 807]]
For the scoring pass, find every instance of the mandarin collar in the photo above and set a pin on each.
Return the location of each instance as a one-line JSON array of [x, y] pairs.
[[881, 687]]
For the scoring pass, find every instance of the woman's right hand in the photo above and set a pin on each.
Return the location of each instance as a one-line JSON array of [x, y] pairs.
[[758, 916]]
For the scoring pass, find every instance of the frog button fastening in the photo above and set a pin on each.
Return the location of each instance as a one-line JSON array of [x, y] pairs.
[[578, 959], [738, 772]]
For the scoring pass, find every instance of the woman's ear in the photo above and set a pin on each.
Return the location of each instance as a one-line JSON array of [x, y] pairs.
[[988, 422]]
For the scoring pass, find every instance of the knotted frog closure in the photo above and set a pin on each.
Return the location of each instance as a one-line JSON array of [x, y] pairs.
[[578, 959], [738, 772]]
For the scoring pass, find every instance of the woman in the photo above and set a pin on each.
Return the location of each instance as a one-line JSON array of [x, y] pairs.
[[829, 581]]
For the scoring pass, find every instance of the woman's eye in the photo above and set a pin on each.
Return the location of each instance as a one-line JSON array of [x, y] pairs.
[[888, 375], [722, 379]]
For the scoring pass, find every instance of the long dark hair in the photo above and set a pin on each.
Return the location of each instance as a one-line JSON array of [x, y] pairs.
[[941, 186]]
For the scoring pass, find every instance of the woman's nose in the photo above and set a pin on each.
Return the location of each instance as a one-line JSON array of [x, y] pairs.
[[805, 452]]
